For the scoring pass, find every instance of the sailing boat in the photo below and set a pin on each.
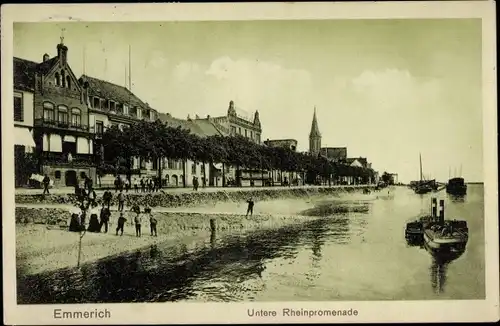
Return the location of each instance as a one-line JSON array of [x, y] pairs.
[[423, 186], [456, 186]]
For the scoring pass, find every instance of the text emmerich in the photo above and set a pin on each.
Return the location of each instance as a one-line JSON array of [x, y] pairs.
[[86, 314]]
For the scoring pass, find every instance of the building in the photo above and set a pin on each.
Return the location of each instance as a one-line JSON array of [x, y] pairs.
[[23, 102], [314, 137], [236, 122], [336, 154], [114, 105], [61, 132], [173, 171], [290, 144]]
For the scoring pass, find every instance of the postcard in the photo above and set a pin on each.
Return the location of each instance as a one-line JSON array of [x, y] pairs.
[[249, 163]]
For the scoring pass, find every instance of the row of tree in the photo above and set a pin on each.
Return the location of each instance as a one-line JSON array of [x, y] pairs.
[[154, 141]]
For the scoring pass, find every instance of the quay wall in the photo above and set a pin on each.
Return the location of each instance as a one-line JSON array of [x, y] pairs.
[[196, 198]]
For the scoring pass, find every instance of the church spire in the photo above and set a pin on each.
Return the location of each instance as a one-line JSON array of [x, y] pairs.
[[314, 136], [314, 127]]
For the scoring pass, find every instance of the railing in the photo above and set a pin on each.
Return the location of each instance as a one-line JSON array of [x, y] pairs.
[[62, 159], [61, 124]]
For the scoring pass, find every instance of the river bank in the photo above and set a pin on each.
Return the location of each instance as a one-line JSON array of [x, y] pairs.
[[44, 244]]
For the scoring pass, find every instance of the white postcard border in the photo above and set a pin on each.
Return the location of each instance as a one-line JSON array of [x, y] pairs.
[[368, 311]]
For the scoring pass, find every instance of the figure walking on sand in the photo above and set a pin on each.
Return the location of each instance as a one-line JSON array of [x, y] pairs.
[[250, 207], [121, 223]]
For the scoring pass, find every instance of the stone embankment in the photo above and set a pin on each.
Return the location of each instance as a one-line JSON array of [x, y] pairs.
[[194, 198]]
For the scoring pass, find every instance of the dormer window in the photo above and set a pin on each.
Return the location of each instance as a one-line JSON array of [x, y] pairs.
[[125, 109], [139, 112]]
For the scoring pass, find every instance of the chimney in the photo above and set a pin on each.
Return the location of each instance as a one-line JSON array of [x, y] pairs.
[[189, 118], [208, 116], [62, 53], [45, 57], [197, 116]]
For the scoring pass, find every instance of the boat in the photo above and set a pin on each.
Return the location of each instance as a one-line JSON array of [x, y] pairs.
[[456, 187], [423, 186], [436, 233], [451, 236]]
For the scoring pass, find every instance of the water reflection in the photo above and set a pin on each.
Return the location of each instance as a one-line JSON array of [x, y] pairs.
[[439, 267], [440, 260]]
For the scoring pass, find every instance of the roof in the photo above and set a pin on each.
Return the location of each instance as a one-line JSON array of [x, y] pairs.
[[24, 74], [45, 66], [105, 89], [199, 127]]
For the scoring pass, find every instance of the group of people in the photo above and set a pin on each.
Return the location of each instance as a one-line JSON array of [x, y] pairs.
[[140, 185], [99, 220]]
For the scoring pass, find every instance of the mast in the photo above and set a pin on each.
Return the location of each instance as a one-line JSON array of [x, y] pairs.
[[420, 155], [129, 68]]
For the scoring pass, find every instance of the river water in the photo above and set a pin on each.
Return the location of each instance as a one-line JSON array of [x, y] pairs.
[[359, 255]]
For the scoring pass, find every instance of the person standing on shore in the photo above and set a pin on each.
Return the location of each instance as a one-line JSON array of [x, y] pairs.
[[46, 182], [137, 221], [152, 221], [106, 198], [121, 201], [121, 223], [104, 217], [250, 206]]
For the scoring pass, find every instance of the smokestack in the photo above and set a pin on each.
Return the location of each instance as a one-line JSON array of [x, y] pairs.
[[441, 212], [434, 207]]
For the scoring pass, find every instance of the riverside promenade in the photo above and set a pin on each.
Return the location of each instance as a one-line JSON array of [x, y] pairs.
[[43, 244], [179, 190]]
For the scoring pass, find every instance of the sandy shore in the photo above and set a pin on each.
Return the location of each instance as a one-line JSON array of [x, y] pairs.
[[42, 248], [42, 245]]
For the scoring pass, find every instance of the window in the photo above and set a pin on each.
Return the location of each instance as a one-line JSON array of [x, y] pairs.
[[257, 138], [239, 130], [251, 134], [58, 79], [62, 114], [125, 109], [171, 164], [99, 127], [58, 174], [48, 111], [97, 103], [246, 135], [68, 81], [63, 78], [18, 107], [76, 117], [233, 130], [193, 168]]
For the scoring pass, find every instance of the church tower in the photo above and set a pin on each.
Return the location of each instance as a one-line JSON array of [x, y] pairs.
[[314, 136]]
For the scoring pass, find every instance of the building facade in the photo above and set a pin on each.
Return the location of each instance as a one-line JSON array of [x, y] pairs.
[[336, 154], [23, 102], [290, 144], [314, 137], [238, 124], [63, 142]]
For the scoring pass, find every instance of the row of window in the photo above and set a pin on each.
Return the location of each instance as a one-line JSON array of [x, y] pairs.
[[62, 80], [62, 114], [251, 134], [135, 112]]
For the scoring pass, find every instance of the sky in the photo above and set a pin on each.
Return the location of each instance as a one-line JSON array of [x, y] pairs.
[[385, 89]]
